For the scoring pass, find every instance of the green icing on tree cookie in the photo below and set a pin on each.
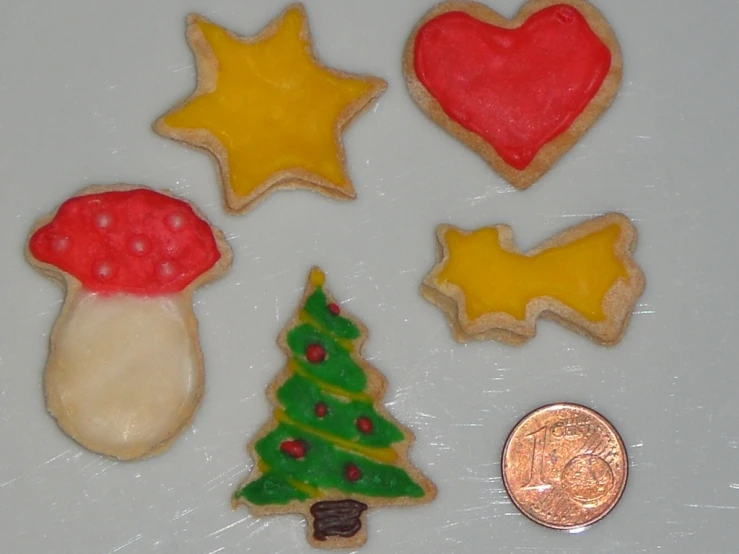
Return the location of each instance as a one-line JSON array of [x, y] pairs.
[[270, 489], [337, 369], [324, 466], [302, 400], [317, 308]]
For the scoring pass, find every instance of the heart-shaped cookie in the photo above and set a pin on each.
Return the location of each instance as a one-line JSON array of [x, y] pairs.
[[519, 92]]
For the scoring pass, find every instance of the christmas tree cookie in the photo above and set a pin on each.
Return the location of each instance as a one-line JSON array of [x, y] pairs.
[[330, 451], [267, 111], [583, 278], [125, 372]]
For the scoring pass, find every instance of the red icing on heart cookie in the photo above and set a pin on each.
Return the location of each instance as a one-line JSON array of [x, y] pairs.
[[517, 88]]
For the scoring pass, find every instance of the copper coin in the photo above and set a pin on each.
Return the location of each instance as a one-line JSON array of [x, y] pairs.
[[564, 466]]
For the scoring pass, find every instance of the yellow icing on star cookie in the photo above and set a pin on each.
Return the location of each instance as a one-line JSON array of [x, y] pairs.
[[578, 274], [275, 112]]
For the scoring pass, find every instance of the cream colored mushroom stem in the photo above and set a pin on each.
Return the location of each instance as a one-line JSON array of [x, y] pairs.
[[125, 373]]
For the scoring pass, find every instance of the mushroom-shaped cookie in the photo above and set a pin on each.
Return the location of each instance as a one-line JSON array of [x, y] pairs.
[[125, 373]]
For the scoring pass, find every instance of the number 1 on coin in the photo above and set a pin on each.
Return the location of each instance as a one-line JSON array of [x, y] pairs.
[[536, 480]]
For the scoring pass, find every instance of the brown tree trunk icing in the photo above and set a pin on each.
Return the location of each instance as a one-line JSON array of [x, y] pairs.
[[336, 518]]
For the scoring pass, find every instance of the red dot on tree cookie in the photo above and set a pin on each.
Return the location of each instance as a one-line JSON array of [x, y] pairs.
[[315, 353], [321, 409], [334, 309], [364, 424], [352, 473], [294, 448]]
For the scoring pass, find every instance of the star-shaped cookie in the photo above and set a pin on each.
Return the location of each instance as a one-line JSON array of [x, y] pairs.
[[584, 278], [267, 111]]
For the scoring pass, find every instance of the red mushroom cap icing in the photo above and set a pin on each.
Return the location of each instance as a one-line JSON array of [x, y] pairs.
[[136, 241]]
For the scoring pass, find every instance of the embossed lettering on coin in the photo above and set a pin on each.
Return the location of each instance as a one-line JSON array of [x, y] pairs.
[[564, 466]]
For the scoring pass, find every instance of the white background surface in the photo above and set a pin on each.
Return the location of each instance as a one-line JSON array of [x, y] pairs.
[[80, 84]]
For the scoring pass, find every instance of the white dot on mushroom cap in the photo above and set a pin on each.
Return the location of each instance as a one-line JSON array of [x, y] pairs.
[[166, 271], [175, 221], [103, 270], [103, 220], [60, 243], [139, 245]]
